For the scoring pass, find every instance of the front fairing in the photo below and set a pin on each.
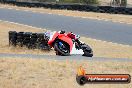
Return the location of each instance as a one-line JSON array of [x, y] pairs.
[[63, 37], [66, 39]]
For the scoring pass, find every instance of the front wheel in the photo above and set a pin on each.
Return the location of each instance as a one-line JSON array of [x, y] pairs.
[[87, 54], [62, 48], [87, 50], [58, 53]]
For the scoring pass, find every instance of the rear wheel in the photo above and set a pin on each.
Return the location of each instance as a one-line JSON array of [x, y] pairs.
[[61, 48]]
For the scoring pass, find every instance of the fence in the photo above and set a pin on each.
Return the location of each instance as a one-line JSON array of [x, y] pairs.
[[79, 7]]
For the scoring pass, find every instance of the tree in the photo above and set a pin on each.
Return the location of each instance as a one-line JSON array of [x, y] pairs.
[[119, 2], [90, 1], [123, 2]]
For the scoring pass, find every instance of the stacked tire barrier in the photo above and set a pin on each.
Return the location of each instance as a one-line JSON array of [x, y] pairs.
[[28, 39], [87, 8]]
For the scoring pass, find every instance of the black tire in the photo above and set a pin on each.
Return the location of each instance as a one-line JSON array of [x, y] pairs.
[[56, 47], [87, 50], [34, 35], [33, 38], [12, 38], [87, 54], [81, 80], [33, 43], [26, 41], [11, 33], [58, 53], [20, 38], [20, 35], [27, 34], [31, 46], [40, 35], [19, 41]]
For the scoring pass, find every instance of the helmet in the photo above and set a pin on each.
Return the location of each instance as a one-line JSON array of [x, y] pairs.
[[62, 32], [77, 36]]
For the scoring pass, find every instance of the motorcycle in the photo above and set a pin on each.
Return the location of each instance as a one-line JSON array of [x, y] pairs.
[[65, 46]]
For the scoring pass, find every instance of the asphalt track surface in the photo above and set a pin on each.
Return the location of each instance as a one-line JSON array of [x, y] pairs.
[[97, 29], [53, 57]]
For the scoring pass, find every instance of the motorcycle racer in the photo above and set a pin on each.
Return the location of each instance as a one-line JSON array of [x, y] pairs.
[[66, 44], [72, 36]]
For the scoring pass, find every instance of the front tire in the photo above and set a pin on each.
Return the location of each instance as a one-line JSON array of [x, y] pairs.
[[58, 53], [87, 54], [61, 50], [87, 51]]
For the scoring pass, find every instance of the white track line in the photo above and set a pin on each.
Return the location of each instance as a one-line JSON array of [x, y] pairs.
[[50, 31], [20, 24], [103, 19]]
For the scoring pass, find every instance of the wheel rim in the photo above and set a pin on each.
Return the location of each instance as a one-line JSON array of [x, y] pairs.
[[62, 47]]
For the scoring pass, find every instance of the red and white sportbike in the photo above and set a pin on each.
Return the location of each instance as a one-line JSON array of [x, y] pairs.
[[64, 45]]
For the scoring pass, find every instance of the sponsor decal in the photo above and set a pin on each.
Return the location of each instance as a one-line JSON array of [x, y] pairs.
[[83, 78]]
